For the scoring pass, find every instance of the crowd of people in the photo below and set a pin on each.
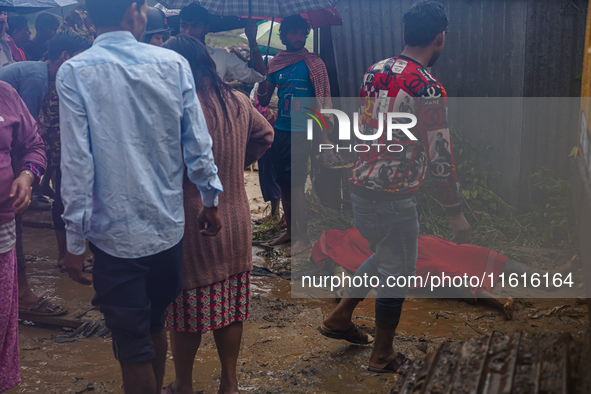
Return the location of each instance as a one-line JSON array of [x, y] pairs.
[[146, 144]]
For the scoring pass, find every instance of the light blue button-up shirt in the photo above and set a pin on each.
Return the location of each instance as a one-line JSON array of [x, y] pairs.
[[125, 109]]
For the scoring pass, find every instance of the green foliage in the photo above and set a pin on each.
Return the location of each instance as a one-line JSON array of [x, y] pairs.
[[321, 218], [550, 218], [548, 222]]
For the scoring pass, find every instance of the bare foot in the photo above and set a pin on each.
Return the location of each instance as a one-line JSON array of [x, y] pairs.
[[299, 247], [26, 297], [267, 219], [508, 308], [233, 391], [27, 300], [228, 387], [281, 240], [569, 267], [173, 388]]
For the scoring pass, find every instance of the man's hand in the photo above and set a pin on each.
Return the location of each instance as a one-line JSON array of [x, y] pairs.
[[21, 192], [250, 30], [209, 221], [74, 265], [460, 227]]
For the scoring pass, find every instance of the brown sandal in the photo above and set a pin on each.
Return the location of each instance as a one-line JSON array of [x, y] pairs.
[[42, 307], [399, 364], [352, 334]]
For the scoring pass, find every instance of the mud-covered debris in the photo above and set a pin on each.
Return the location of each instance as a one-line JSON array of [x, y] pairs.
[[88, 329], [498, 363], [549, 313]]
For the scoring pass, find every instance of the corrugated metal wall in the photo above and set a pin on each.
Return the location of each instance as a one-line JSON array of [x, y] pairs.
[[494, 48]]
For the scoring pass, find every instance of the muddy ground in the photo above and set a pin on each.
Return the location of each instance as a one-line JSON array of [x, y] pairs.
[[281, 350]]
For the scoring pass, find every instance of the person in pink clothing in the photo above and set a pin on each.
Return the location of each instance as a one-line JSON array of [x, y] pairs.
[[20, 142]]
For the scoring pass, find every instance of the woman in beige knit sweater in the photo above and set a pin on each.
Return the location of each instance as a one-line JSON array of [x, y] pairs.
[[216, 270]]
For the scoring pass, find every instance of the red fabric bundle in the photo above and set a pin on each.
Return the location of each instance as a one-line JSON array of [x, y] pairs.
[[436, 256]]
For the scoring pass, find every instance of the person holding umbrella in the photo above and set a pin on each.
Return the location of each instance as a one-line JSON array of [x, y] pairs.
[[298, 75], [195, 22]]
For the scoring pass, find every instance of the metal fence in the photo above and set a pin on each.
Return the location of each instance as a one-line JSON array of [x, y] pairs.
[[494, 48]]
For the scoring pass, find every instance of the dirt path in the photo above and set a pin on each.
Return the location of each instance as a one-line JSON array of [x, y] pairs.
[[282, 350]]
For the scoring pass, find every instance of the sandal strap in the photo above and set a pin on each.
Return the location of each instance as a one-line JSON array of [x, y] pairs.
[[42, 305], [401, 363], [356, 333]]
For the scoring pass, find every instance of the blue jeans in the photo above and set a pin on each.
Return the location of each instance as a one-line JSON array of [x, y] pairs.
[[392, 230]]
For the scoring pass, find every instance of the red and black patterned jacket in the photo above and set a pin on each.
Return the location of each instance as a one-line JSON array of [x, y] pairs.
[[400, 84]]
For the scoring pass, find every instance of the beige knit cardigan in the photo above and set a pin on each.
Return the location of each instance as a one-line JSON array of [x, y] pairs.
[[208, 260]]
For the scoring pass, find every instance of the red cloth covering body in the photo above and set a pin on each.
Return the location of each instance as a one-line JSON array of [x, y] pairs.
[[436, 256]]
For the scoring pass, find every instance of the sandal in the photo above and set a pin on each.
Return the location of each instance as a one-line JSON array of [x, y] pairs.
[[399, 364], [352, 334], [42, 307]]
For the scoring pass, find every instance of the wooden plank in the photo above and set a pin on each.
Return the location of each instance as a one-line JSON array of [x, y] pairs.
[[71, 320], [511, 363], [53, 321]]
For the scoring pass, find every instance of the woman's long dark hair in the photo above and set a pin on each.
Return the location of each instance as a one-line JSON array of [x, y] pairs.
[[203, 69]]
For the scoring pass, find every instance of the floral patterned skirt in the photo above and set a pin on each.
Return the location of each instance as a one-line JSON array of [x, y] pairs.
[[9, 362], [210, 307]]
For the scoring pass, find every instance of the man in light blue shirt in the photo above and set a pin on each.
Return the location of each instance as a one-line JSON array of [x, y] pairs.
[[125, 109]]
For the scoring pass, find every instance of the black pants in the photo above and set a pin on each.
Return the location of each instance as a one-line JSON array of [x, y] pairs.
[[133, 295]]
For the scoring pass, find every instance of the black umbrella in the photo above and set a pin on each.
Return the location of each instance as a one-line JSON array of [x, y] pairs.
[[266, 8]]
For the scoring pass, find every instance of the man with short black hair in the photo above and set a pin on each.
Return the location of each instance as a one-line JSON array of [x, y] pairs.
[[299, 76], [195, 22], [129, 116], [384, 205], [46, 27], [18, 30]]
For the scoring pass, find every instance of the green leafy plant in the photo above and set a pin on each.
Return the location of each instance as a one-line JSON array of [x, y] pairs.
[[548, 222], [550, 218]]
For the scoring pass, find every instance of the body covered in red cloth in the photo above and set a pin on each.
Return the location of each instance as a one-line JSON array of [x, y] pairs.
[[436, 256]]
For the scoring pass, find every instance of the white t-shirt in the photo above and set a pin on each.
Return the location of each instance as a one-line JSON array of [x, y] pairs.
[[5, 54], [229, 67]]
